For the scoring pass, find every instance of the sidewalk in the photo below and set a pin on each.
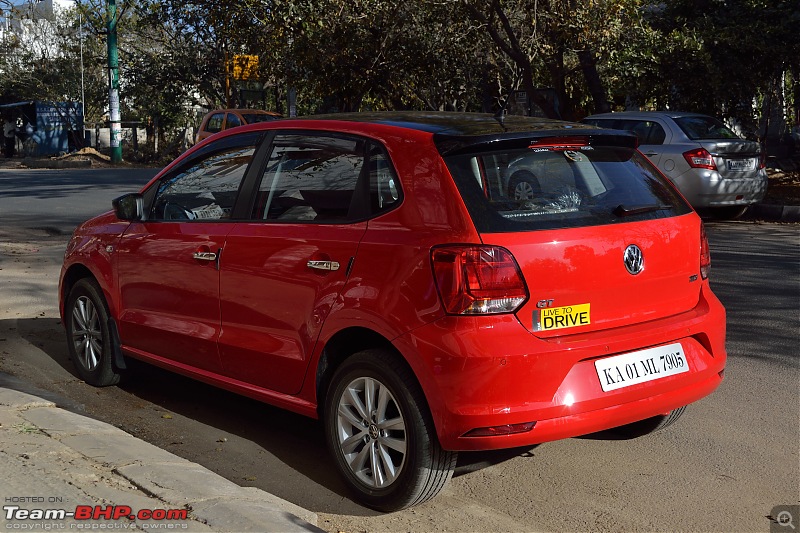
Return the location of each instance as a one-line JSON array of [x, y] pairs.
[[64, 471]]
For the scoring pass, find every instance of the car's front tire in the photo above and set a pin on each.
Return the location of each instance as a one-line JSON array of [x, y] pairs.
[[88, 335], [381, 434]]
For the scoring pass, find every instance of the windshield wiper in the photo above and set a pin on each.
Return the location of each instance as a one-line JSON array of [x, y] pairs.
[[627, 211]]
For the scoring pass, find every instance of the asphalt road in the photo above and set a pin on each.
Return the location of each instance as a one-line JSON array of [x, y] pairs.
[[733, 456]]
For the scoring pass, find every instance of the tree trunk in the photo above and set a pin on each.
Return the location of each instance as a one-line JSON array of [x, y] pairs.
[[593, 81]]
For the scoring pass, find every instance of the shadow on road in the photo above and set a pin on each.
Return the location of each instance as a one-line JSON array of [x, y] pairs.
[[296, 467], [218, 429]]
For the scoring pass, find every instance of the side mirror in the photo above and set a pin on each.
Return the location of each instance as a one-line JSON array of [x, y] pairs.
[[129, 207]]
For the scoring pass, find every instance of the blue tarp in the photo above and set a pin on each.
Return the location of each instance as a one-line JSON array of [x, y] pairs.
[[57, 126]]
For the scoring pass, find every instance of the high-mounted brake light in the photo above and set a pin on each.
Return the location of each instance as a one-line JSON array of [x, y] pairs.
[[478, 280], [700, 158], [560, 143], [705, 253]]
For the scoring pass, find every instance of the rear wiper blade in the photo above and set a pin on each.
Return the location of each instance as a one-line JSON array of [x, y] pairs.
[[626, 211]]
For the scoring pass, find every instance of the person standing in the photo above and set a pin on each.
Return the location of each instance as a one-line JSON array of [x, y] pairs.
[[9, 136]]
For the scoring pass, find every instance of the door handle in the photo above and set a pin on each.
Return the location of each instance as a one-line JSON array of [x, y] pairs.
[[205, 256], [323, 265]]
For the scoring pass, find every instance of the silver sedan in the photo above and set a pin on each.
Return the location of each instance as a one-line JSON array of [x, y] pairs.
[[711, 165]]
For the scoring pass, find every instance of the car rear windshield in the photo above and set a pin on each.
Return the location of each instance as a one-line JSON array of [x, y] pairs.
[[532, 188], [704, 128]]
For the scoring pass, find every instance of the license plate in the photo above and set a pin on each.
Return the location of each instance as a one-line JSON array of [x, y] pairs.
[[740, 165], [639, 367]]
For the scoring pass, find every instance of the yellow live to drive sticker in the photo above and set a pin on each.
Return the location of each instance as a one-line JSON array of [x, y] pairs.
[[569, 316]]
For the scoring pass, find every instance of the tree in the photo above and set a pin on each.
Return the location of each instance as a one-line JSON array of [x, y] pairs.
[[558, 45], [43, 62], [723, 55], [378, 54]]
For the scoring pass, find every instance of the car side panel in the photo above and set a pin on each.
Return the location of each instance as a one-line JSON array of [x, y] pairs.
[[89, 248], [169, 301], [273, 304], [391, 289]]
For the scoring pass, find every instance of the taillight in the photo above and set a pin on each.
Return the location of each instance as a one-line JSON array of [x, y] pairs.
[[478, 280], [762, 160], [705, 254], [700, 158]]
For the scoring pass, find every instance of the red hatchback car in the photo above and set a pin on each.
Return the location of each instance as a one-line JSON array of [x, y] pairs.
[[374, 271]]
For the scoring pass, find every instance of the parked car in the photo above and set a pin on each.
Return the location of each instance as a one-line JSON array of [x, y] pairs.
[[708, 162], [223, 119], [372, 271]]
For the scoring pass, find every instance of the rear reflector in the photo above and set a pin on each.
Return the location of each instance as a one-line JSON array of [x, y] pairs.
[[478, 280], [700, 158], [496, 431], [705, 253]]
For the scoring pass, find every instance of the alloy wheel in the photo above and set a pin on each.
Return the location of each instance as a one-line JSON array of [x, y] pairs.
[[87, 333], [523, 191], [371, 432]]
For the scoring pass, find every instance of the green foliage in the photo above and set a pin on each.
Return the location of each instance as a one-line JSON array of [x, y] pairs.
[[718, 55], [713, 56]]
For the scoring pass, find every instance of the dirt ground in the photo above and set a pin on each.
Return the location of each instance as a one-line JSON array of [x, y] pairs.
[[783, 188]]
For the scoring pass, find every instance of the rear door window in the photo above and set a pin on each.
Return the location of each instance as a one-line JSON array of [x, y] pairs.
[[324, 178], [232, 121], [519, 189], [648, 132]]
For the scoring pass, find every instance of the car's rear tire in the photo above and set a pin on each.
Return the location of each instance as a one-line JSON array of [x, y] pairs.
[[729, 212], [650, 425], [523, 186], [88, 335], [381, 434]]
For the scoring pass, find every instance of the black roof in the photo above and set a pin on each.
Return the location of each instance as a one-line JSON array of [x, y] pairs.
[[454, 131], [452, 123]]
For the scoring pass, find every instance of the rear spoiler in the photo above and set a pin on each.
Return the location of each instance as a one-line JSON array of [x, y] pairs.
[[448, 144]]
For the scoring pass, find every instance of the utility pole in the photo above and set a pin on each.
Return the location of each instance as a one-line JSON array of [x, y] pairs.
[[113, 82]]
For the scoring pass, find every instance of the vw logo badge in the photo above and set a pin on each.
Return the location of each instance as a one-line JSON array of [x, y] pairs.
[[634, 262]]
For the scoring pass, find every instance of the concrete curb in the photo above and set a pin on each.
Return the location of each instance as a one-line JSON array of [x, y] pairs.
[[774, 212], [66, 445]]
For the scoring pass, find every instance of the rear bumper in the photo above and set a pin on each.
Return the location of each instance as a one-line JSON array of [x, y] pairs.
[[707, 188], [485, 372]]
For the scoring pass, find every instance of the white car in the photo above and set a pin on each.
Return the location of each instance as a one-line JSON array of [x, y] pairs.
[[712, 166]]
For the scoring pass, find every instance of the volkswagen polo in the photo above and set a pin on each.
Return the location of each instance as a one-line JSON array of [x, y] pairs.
[[373, 271]]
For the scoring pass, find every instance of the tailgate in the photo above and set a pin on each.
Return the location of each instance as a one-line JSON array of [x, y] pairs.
[[578, 280]]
